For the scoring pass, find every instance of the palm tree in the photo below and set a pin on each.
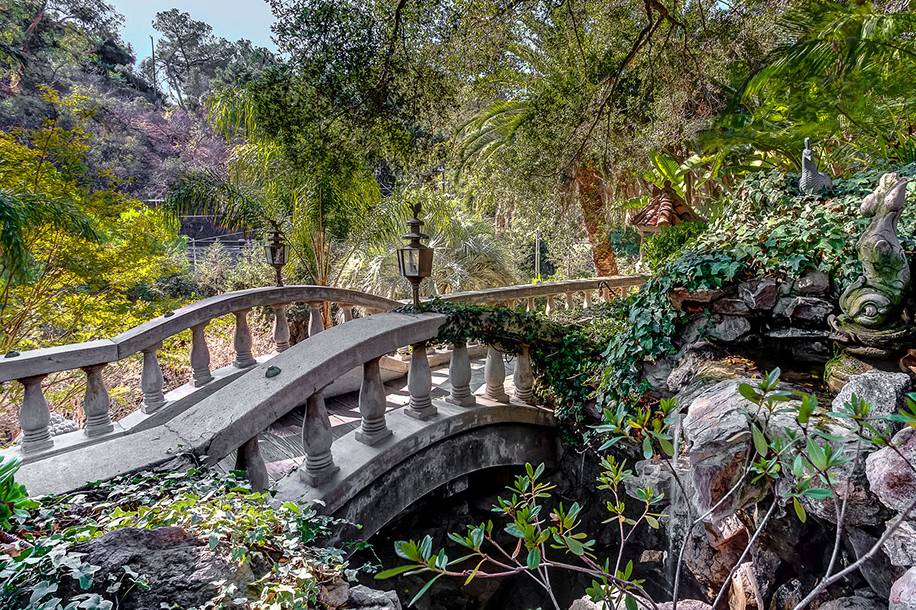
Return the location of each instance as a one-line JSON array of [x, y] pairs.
[[843, 78]]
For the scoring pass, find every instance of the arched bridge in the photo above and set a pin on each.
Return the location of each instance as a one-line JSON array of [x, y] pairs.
[[275, 415]]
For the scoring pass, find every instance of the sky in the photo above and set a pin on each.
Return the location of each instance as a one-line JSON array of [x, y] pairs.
[[230, 19]]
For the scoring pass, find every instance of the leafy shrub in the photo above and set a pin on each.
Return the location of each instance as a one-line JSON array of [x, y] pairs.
[[14, 500], [669, 243], [236, 522]]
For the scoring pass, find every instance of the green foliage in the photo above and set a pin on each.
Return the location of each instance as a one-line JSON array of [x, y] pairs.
[[669, 243], [238, 523], [14, 500], [546, 535], [777, 232]]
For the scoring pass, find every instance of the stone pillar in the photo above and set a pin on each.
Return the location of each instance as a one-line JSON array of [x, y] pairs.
[[242, 341], [317, 439], [346, 313], [372, 405], [570, 300], [588, 299], [248, 458], [316, 319], [96, 403], [459, 375], [551, 304], [281, 328], [524, 380], [34, 416], [151, 380], [420, 384], [494, 373], [200, 357]]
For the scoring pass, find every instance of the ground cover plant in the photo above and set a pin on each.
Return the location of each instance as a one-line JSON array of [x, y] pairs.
[[41, 571]]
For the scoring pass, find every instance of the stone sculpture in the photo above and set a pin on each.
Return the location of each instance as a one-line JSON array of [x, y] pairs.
[[872, 304], [812, 181]]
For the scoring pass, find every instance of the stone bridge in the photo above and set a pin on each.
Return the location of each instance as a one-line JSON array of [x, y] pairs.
[[274, 416]]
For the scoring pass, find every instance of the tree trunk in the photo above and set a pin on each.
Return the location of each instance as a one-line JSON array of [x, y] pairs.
[[590, 192]]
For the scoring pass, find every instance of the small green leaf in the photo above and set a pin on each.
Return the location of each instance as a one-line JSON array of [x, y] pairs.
[[760, 441], [799, 510], [534, 559]]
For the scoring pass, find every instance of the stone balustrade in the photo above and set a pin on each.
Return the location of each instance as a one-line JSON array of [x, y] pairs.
[[219, 412], [31, 368]]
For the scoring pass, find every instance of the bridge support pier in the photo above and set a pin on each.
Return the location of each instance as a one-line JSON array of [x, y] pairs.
[[420, 384]]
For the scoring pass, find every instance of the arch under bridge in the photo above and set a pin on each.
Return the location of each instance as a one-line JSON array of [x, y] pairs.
[[292, 418]]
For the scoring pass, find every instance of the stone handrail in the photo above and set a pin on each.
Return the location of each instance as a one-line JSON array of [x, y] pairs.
[[30, 368]]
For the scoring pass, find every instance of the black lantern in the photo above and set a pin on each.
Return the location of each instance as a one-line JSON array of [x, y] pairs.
[[415, 260], [275, 250]]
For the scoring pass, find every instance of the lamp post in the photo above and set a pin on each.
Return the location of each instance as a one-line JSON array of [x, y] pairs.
[[415, 260], [275, 250]]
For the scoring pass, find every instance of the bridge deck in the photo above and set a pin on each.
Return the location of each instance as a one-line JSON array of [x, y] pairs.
[[281, 444]]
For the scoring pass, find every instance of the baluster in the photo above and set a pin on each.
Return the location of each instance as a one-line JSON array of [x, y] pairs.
[[242, 341], [372, 405], [34, 416], [494, 373], [551, 304], [420, 384], [151, 380], [248, 458], [524, 380], [96, 403], [316, 320], [200, 357], [530, 306], [588, 299], [570, 300], [459, 375], [606, 294], [345, 313], [281, 328], [317, 439]]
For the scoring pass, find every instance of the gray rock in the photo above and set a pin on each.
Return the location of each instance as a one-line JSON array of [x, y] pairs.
[[853, 602], [903, 593], [180, 569], [901, 545], [717, 327], [656, 373], [731, 306], [718, 439], [885, 392], [812, 284], [891, 478], [61, 425], [650, 473], [365, 598], [686, 604], [877, 571], [758, 295], [809, 310]]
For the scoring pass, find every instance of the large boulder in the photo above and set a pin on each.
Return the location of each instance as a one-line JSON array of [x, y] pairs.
[[717, 327], [901, 545], [903, 593], [758, 295], [806, 310], [877, 570], [890, 475], [885, 392], [718, 440], [812, 284], [686, 604], [853, 602], [181, 570]]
